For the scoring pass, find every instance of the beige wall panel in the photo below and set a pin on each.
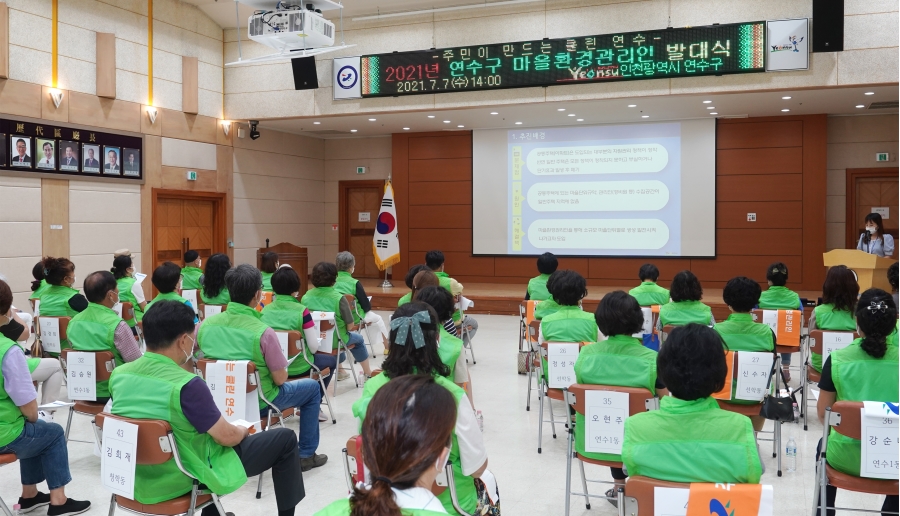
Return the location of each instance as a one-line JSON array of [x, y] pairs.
[[29, 65], [270, 104], [246, 255], [189, 154], [210, 103], [135, 6], [4, 40], [167, 65], [332, 237], [176, 124], [835, 208], [277, 142], [280, 165], [259, 78], [175, 178], [255, 235], [105, 186], [19, 204], [87, 263], [166, 94], [17, 271], [27, 238], [868, 6], [91, 15], [106, 64], [132, 87], [189, 85], [100, 206], [302, 212], [331, 191], [277, 188], [859, 155], [104, 113], [77, 42], [871, 30], [20, 98], [870, 128], [835, 235], [704, 12], [92, 238], [210, 77], [55, 211], [873, 66], [131, 56], [38, 7], [347, 148], [77, 75], [29, 30], [49, 111], [837, 182]]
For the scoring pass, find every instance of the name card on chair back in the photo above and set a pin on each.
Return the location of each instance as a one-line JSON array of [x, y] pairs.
[[753, 375], [327, 336], [786, 324], [605, 413], [50, 334], [118, 456], [227, 380], [81, 377], [833, 341], [880, 432], [561, 364], [727, 499]]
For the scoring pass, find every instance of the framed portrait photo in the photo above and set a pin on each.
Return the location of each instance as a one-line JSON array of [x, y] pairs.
[[112, 160], [4, 152], [45, 149], [90, 156], [20, 151], [68, 156], [131, 162]]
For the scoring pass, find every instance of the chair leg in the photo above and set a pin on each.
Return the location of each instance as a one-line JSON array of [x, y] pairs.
[[587, 500], [778, 444], [112, 505], [540, 415], [816, 489], [552, 416], [259, 486], [530, 366], [569, 473], [218, 503], [327, 400], [69, 422]]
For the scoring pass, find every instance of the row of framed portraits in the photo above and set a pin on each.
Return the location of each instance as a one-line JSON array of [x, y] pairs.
[[49, 154]]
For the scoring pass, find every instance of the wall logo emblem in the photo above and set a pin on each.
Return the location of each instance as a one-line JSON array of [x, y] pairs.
[[793, 45], [348, 77]]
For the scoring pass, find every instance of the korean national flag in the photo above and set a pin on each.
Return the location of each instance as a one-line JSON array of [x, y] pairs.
[[386, 243]]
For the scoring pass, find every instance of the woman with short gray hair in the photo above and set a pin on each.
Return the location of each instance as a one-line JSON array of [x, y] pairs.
[[347, 284]]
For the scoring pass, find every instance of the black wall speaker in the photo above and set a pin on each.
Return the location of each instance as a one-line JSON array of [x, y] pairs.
[[828, 26], [305, 73]]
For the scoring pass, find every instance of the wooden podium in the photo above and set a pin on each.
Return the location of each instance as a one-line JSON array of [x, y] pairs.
[[870, 269], [292, 255]]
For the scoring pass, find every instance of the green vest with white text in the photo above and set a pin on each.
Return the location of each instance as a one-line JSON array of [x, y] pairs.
[[150, 388], [94, 329], [568, 324], [779, 298], [648, 293], [829, 319], [327, 299], [537, 288], [681, 313], [286, 313], [55, 302]]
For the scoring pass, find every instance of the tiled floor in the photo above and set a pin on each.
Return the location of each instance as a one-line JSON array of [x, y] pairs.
[[530, 484]]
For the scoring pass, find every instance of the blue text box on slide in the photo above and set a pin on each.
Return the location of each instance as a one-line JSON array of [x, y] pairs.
[[633, 158], [589, 196], [598, 234]]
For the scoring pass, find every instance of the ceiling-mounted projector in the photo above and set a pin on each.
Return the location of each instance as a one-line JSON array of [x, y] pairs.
[[293, 29]]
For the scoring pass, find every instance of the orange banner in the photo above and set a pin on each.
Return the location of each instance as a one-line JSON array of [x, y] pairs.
[[529, 311], [725, 393], [724, 499], [788, 330], [267, 297]]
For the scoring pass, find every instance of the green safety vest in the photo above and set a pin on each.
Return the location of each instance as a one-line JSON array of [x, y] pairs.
[[222, 299], [234, 335], [444, 280], [126, 296], [465, 485], [406, 298], [327, 299], [346, 284], [740, 333], [190, 278], [691, 441], [267, 281], [568, 324], [342, 508], [286, 313], [829, 319], [150, 388], [41, 288], [167, 296], [648, 293], [537, 288], [55, 302], [779, 298], [680, 313], [894, 339], [12, 421], [859, 376], [94, 329], [621, 360], [545, 308], [449, 349]]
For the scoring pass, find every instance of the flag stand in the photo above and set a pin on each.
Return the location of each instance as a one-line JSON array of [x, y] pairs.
[[386, 283]]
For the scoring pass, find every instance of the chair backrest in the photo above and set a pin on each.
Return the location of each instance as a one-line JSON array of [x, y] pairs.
[[104, 362], [203, 363], [817, 339], [642, 490], [193, 296], [153, 443], [63, 324], [357, 474], [294, 343], [787, 325], [267, 297], [850, 423], [639, 398], [667, 329], [127, 311], [534, 330]]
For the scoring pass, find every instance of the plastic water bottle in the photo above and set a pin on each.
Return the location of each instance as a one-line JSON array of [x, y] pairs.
[[796, 413], [16, 509], [480, 418], [790, 455]]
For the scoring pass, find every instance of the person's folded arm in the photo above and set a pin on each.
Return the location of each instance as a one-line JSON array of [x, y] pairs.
[[17, 382], [827, 391], [346, 315], [274, 357], [200, 410], [361, 298], [473, 455], [78, 303], [456, 287], [126, 344], [310, 335], [14, 318], [888, 245]]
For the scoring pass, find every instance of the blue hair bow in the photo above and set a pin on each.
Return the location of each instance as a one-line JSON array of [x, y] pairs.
[[403, 325]]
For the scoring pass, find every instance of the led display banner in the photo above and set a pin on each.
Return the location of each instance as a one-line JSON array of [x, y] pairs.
[[683, 52]]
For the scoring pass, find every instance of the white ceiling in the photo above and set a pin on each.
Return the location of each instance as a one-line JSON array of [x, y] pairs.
[[832, 101]]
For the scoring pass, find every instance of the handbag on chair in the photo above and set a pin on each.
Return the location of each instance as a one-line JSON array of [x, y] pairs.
[[524, 364], [779, 408]]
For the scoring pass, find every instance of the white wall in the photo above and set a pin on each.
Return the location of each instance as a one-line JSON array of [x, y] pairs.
[[20, 225]]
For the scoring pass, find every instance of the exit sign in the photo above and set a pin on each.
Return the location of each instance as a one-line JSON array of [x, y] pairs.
[[882, 156]]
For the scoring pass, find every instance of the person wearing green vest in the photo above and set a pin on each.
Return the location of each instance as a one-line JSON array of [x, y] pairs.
[[549, 305], [40, 446], [405, 444], [779, 297], [267, 266], [836, 313], [690, 439], [569, 323], [537, 286], [620, 360], [60, 299], [866, 370], [410, 275], [685, 306], [214, 291], [450, 347], [191, 272], [648, 293], [218, 454], [100, 328], [239, 334], [167, 279], [286, 313], [39, 284], [435, 261], [325, 298], [130, 290], [415, 330], [347, 284]]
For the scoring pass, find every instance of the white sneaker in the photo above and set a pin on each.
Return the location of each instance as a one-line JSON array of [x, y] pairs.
[[322, 416], [342, 375], [362, 379]]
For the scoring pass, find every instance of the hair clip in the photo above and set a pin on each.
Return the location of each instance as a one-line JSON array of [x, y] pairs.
[[46, 271], [880, 306], [383, 479]]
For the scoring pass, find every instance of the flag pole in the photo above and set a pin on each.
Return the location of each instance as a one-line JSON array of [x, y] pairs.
[[387, 283]]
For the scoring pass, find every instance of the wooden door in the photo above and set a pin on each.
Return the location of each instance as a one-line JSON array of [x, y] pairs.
[[359, 204], [868, 189]]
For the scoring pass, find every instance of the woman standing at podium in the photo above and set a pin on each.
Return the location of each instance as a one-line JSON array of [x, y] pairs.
[[875, 240]]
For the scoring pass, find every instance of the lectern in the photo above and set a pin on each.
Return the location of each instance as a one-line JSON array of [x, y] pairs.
[[870, 269], [292, 255]]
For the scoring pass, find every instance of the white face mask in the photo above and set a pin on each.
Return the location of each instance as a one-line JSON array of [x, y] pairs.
[[442, 461], [871, 229], [187, 356], [199, 263]]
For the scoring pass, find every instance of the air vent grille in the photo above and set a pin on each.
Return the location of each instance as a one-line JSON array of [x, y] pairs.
[[891, 104]]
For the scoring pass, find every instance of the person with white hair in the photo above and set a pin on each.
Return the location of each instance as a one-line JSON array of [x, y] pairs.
[[347, 284]]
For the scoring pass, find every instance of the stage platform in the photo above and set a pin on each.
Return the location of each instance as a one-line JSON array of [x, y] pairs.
[[504, 299]]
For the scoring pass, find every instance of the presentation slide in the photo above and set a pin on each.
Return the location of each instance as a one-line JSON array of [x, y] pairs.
[[607, 190]]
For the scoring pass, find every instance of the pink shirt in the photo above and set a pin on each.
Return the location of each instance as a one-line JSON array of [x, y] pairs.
[[268, 344]]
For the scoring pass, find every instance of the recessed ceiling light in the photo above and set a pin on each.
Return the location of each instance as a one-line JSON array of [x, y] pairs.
[[446, 121], [316, 123], [870, 93], [707, 102], [518, 123], [645, 116], [460, 126], [561, 109], [785, 110], [494, 113], [860, 105], [352, 130], [632, 105], [713, 113], [571, 114], [785, 98], [710, 107], [580, 120], [406, 128], [371, 120], [430, 116]]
